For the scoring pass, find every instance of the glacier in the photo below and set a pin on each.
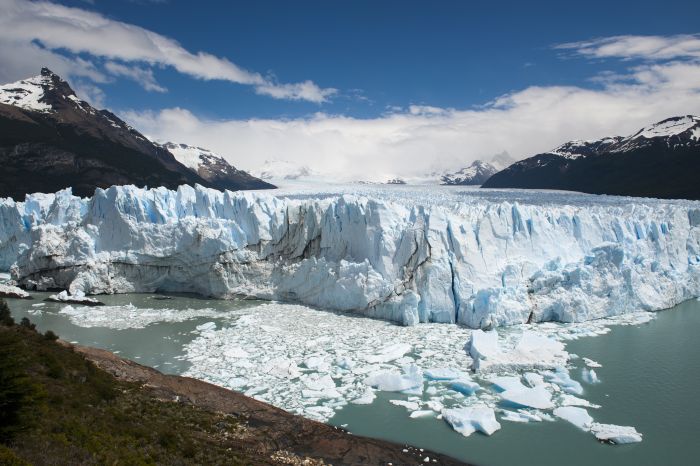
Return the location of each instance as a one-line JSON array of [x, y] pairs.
[[482, 259]]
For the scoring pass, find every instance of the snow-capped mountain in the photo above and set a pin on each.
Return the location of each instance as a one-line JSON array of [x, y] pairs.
[[661, 160], [214, 168], [475, 174], [282, 170], [50, 139]]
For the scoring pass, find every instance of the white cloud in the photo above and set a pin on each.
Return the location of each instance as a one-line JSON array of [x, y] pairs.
[[638, 47], [61, 28], [420, 139], [143, 76]]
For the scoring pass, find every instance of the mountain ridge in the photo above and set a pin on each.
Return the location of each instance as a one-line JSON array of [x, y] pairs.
[[660, 160], [51, 140]]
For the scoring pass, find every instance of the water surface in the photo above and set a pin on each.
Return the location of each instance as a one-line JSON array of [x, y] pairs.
[[650, 379]]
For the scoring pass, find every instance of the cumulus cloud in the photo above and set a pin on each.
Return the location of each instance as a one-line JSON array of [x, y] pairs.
[[418, 139], [78, 31], [421, 139]]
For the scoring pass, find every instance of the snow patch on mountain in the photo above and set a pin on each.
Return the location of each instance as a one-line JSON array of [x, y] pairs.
[[670, 127], [27, 93], [193, 157], [475, 174]]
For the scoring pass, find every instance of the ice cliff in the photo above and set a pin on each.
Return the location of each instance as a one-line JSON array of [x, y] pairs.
[[448, 257]]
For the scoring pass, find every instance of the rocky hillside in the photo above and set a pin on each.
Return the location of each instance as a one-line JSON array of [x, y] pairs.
[[661, 160], [50, 140]]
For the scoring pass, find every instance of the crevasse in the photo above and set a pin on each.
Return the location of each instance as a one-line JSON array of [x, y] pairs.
[[478, 261]]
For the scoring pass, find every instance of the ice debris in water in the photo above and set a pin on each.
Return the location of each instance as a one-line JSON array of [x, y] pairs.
[[577, 416], [531, 351], [314, 362], [589, 376], [466, 421], [129, 316], [615, 434]]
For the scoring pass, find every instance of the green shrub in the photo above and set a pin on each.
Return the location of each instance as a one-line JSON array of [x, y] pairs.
[[26, 323], [19, 394], [5, 315], [49, 335]]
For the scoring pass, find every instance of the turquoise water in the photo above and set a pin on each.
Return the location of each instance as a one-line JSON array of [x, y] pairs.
[[650, 379]]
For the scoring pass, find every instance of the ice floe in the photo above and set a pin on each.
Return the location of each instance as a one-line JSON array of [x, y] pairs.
[[314, 362], [577, 416], [11, 291], [615, 434], [468, 420], [130, 316]]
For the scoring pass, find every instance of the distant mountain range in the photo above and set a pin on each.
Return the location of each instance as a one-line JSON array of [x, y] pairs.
[[475, 174], [214, 168], [661, 160], [283, 170], [478, 172], [50, 140]]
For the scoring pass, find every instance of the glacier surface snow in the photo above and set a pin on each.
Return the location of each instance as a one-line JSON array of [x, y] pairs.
[[479, 258]]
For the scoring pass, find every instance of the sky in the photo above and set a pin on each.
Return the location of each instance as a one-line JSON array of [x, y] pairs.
[[366, 89]]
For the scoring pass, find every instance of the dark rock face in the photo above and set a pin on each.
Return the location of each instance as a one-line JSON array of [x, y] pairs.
[[58, 141], [660, 161]]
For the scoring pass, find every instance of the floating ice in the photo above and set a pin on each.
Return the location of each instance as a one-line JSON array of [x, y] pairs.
[[129, 316], [615, 434], [10, 291], [589, 376], [591, 363], [538, 397], [465, 386], [562, 378], [571, 400], [302, 360], [468, 420], [531, 351], [78, 297], [392, 381], [577, 416]]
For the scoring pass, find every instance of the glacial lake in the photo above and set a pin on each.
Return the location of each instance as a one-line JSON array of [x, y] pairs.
[[650, 377]]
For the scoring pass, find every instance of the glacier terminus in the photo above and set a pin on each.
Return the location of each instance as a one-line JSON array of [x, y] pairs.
[[482, 259]]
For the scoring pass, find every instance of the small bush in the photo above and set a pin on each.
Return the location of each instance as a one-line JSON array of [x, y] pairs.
[[49, 335], [26, 323], [5, 315]]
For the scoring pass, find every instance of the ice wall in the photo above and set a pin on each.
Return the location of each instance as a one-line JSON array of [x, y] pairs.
[[467, 259]]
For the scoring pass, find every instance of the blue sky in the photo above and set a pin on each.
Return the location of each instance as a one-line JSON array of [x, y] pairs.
[[379, 54], [333, 83]]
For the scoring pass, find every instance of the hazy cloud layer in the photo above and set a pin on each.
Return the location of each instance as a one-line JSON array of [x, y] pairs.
[[419, 139], [44, 28]]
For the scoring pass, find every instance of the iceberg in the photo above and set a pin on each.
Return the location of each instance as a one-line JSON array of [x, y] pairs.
[[531, 351], [481, 259], [11, 291], [468, 420], [391, 381], [577, 416], [589, 376], [538, 397], [615, 434]]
